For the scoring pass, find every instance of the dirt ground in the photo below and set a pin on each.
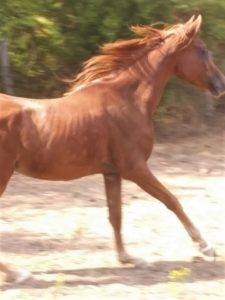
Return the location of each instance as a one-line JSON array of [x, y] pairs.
[[60, 232]]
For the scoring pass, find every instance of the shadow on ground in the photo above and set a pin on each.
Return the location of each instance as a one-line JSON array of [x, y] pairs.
[[147, 275], [33, 244]]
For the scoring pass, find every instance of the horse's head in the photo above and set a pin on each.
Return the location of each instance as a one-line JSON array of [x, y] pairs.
[[194, 62]]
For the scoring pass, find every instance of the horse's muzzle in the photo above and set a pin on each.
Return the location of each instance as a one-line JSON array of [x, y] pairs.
[[217, 85]]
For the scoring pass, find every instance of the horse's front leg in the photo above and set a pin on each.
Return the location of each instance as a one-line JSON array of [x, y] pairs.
[[142, 176], [113, 196]]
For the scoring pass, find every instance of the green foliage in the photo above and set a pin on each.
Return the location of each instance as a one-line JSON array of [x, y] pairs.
[[48, 39]]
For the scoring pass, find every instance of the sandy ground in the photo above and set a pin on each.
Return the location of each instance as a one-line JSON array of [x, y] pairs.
[[60, 232]]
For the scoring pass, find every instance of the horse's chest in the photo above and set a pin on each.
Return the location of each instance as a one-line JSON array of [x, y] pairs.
[[134, 143]]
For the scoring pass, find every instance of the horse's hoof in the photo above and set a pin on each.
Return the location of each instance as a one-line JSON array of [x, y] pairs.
[[18, 276], [125, 258], [208, 251], [22, 275]]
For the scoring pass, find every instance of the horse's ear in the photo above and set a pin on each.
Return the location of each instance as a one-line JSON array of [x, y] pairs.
[[182, 34], [192, 27], [190, 20]]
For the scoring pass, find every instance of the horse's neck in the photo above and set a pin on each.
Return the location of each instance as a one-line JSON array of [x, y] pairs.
[[151, 79]]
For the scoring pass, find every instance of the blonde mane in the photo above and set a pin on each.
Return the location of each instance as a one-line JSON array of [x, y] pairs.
[[116, 56]]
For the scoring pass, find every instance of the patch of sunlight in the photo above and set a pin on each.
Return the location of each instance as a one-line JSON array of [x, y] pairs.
[[4, 226], [54, 223], [13, 294], [43, 20]]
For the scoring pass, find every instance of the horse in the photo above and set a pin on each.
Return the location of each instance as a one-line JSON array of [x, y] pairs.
[[103, 124]]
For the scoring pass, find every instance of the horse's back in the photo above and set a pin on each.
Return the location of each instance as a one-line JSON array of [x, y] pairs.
[[8, 106]]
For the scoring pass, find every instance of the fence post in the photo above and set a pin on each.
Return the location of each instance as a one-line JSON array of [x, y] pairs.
[[5, 68]]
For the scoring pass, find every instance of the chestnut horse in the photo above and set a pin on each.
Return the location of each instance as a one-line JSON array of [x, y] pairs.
[[104, 123]]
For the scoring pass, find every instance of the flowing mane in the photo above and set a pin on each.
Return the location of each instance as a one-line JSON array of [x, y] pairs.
[[120, 54]]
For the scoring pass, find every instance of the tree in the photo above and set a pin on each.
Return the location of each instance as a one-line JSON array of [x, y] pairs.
[[49, 39]]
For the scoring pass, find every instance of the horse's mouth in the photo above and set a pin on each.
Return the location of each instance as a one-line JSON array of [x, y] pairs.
[[217, 88], [217, 94]]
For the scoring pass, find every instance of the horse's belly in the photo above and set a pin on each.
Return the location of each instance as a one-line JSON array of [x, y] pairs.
[[55, 172]]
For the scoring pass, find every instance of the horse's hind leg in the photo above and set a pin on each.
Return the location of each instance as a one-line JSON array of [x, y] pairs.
[[148, 182], [6, 171], [113, 196]]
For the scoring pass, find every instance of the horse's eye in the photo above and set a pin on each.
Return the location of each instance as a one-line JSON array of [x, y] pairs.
[[203, 52]]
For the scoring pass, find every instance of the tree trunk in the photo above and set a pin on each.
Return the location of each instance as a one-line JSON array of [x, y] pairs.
[[5, 68]]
